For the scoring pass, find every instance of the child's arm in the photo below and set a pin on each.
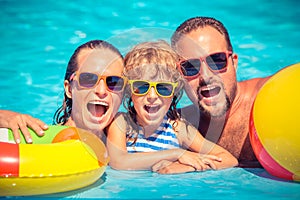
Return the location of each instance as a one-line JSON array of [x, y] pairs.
[[194, 141], [122, 160], [168, 167]]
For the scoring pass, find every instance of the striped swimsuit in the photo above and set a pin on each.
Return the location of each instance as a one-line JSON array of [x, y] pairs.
[[163, 138]]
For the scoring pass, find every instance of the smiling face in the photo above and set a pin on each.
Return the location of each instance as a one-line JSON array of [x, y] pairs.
[[213, 91], [153, 62], [151, 107], [93, 109]]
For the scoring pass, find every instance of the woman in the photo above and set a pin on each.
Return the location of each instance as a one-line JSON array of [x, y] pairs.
[[93, 90]]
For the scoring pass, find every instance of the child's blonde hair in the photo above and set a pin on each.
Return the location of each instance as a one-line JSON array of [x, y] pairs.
[[155, 61], [158, 52]]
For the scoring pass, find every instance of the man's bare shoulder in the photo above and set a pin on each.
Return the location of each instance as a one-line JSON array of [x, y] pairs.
[[249, 88], [255, 83]]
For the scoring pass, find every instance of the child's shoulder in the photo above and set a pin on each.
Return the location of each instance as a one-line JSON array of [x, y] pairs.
[[120, 117], [181, 121], [123, 118], [120, 114], [186, 127]]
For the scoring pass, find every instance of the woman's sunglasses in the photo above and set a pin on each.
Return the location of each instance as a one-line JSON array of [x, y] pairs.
[[216, 62], [163, 89], [88, 80]]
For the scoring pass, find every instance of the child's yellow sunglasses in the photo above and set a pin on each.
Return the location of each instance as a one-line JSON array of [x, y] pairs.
[[142, 87]]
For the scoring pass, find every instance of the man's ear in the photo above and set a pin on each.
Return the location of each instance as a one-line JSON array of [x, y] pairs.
[[235, 59], [68, 89]]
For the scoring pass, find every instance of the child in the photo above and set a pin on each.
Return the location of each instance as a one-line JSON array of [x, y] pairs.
[[152, 130]]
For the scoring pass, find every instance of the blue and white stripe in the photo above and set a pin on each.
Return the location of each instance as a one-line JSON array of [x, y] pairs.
[[163, 138]]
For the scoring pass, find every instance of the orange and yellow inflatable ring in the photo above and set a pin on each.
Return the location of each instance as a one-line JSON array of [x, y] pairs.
[[64, 159]]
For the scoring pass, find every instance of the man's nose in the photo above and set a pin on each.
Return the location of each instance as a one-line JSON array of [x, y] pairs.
[[205, 70]]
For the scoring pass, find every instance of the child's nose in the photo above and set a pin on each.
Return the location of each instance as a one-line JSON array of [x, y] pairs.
[[152, 93]]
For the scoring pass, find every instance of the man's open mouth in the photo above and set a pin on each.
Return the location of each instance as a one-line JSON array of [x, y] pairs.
[[210, 91]]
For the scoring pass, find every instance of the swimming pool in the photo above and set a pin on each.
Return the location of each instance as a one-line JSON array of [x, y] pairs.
[[38, 38]]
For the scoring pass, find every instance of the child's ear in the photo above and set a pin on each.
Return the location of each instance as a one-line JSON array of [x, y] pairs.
[[68, 89]]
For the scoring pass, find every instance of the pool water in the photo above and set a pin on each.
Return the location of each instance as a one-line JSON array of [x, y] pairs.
[[38, 39], [233, 183]]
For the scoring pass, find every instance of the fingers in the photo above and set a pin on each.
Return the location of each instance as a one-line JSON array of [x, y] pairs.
[[21, 122], [37, 126], [212, 157], [16, 134], [200, 165], [160, 165], [176, 168], [200, 162], [209, 164], [25, 132]]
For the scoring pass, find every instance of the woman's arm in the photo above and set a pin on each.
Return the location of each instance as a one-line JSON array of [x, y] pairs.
[[17, 121]]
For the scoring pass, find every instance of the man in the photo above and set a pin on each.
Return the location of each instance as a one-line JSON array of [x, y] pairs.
[[209, 66]]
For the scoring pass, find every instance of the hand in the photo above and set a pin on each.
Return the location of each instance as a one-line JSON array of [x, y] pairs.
[[200, 162], [168, 167], [16, 121]]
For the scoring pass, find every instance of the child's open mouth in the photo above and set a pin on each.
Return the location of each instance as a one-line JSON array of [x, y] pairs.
[[151, 108]]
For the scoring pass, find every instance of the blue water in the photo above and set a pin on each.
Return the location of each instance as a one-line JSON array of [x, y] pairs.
[[38, 37], [233, 183]]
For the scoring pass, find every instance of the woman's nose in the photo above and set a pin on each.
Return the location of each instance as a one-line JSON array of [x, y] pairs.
[[101, 88]]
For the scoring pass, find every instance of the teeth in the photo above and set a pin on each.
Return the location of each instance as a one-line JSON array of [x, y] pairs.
[[209, 87], [99, 103], [210, 91], [152, 106], [97, 108]]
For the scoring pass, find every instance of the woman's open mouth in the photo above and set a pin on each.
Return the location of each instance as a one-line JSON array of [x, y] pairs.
[[97, 109]]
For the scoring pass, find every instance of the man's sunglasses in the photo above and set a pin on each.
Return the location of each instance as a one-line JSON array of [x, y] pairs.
[[88, 80], [216, 62], [163, 89]]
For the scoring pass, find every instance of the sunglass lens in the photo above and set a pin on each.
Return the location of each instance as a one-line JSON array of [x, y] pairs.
[[217, 61], [164, 89], [190, 67], [140, 87], [88, 80], [115, 83]]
